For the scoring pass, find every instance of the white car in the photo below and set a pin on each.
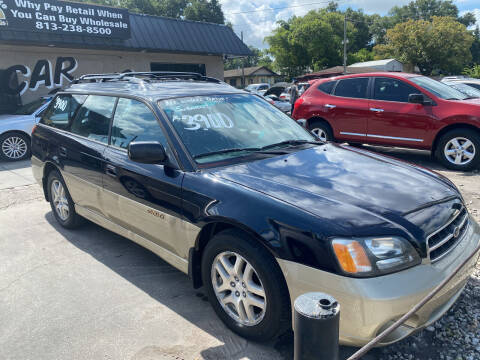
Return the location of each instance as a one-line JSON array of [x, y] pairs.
[[471, 91], [258, 89], [15, 130], [467, 81], [283, 105]]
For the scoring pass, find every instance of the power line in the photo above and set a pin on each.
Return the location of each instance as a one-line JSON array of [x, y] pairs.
[[281, 8]]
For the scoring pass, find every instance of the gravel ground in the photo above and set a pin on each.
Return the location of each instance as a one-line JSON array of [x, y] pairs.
[[456, 336]]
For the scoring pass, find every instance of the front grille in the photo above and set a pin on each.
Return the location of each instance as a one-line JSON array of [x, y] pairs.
[[444, 239]]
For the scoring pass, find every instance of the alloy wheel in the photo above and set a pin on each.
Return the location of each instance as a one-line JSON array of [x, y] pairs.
[[238, 288], [14, 147], [459, 151], [60, 200], [320, 133]]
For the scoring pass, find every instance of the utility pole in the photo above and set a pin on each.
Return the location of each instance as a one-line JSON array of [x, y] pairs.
[[345, 44], [243, 67]]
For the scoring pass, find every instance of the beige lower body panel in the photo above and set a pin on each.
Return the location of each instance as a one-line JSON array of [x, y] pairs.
[[369, 305], [174, 260]]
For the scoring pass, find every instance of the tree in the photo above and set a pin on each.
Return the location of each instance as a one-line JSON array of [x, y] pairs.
[[259, 58], [475, 49], [204, 10], [199, 10], [314, 41], [361, 56], [427, 9], [442, 44], [474, 71]]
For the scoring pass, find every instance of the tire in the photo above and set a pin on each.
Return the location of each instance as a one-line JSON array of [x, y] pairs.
[[321, 129], [262, 325], [464, 157], [67, 217], [14, 146]]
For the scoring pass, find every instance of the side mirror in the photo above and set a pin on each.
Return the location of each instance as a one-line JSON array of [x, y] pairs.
[[147, 152], [417, 99]]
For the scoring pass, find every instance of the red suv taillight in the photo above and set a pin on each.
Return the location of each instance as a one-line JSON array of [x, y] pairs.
[[298, 102]]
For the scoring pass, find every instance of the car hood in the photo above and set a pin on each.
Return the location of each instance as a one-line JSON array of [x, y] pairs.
[[344, 175], [6, 120]]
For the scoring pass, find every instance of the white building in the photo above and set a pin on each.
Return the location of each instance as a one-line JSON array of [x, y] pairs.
[[381, 65]]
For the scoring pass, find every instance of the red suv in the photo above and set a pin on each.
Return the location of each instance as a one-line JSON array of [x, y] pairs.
[[395, 109]]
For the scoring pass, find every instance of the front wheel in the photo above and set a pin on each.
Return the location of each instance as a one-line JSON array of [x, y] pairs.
[[321, 130], [459, 149], [245, 286]]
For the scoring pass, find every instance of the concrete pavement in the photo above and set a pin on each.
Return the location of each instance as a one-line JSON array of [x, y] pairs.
[[90, 294]]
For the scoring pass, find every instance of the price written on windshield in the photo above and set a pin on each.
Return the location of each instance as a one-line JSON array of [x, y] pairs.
[[205, 122]]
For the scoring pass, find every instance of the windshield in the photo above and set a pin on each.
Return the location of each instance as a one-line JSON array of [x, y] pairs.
[[466, 89], [218, 127], [30, 108], [439, 89], [251, 87]]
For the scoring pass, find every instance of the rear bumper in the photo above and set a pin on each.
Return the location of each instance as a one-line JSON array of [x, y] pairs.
[[368, 306]]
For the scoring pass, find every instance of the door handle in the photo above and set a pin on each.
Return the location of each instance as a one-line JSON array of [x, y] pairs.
[[111, 170], [330, 106], [377, 110], [62, 151]]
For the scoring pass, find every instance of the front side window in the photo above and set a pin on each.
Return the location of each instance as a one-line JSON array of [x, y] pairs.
[[219, 127], [134, 121], [437, 88], [93, 118], [388, 89], [61, 111], [352, 88]]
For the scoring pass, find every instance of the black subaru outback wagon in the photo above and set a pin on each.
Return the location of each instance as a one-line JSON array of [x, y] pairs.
[[230, 190]]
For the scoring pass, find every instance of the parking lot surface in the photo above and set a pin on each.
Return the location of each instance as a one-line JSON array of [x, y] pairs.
[[91, 294]]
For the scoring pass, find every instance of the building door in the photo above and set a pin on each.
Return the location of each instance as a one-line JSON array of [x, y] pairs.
[[8, 102], [196, 68]]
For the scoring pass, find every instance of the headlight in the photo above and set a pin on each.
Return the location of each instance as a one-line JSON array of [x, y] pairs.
[[374, 256]]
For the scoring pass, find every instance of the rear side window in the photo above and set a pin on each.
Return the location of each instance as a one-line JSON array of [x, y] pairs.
[[62, 110], [327, 87], [352, 88], [93, 118], [134, 121], [389, 89]]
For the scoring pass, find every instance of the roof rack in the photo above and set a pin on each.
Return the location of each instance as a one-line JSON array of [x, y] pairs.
[[144, 76]]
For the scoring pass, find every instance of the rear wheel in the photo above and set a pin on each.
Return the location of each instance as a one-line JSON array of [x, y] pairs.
[[245, 286], [14, 146], [61, 203], [459, 149], [321, 129]]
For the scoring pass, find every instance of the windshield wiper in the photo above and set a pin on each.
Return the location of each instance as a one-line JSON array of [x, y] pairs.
[[225, 151], [291, 143]]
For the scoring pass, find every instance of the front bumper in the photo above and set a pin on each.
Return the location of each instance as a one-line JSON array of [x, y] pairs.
[[368, 306]]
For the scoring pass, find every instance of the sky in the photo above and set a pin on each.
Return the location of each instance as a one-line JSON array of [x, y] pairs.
[[257, 18]]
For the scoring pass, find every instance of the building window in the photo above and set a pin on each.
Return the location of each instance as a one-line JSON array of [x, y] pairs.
[[233, 82]]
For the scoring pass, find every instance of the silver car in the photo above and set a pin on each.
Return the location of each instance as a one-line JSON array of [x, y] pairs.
[[15, 130]]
